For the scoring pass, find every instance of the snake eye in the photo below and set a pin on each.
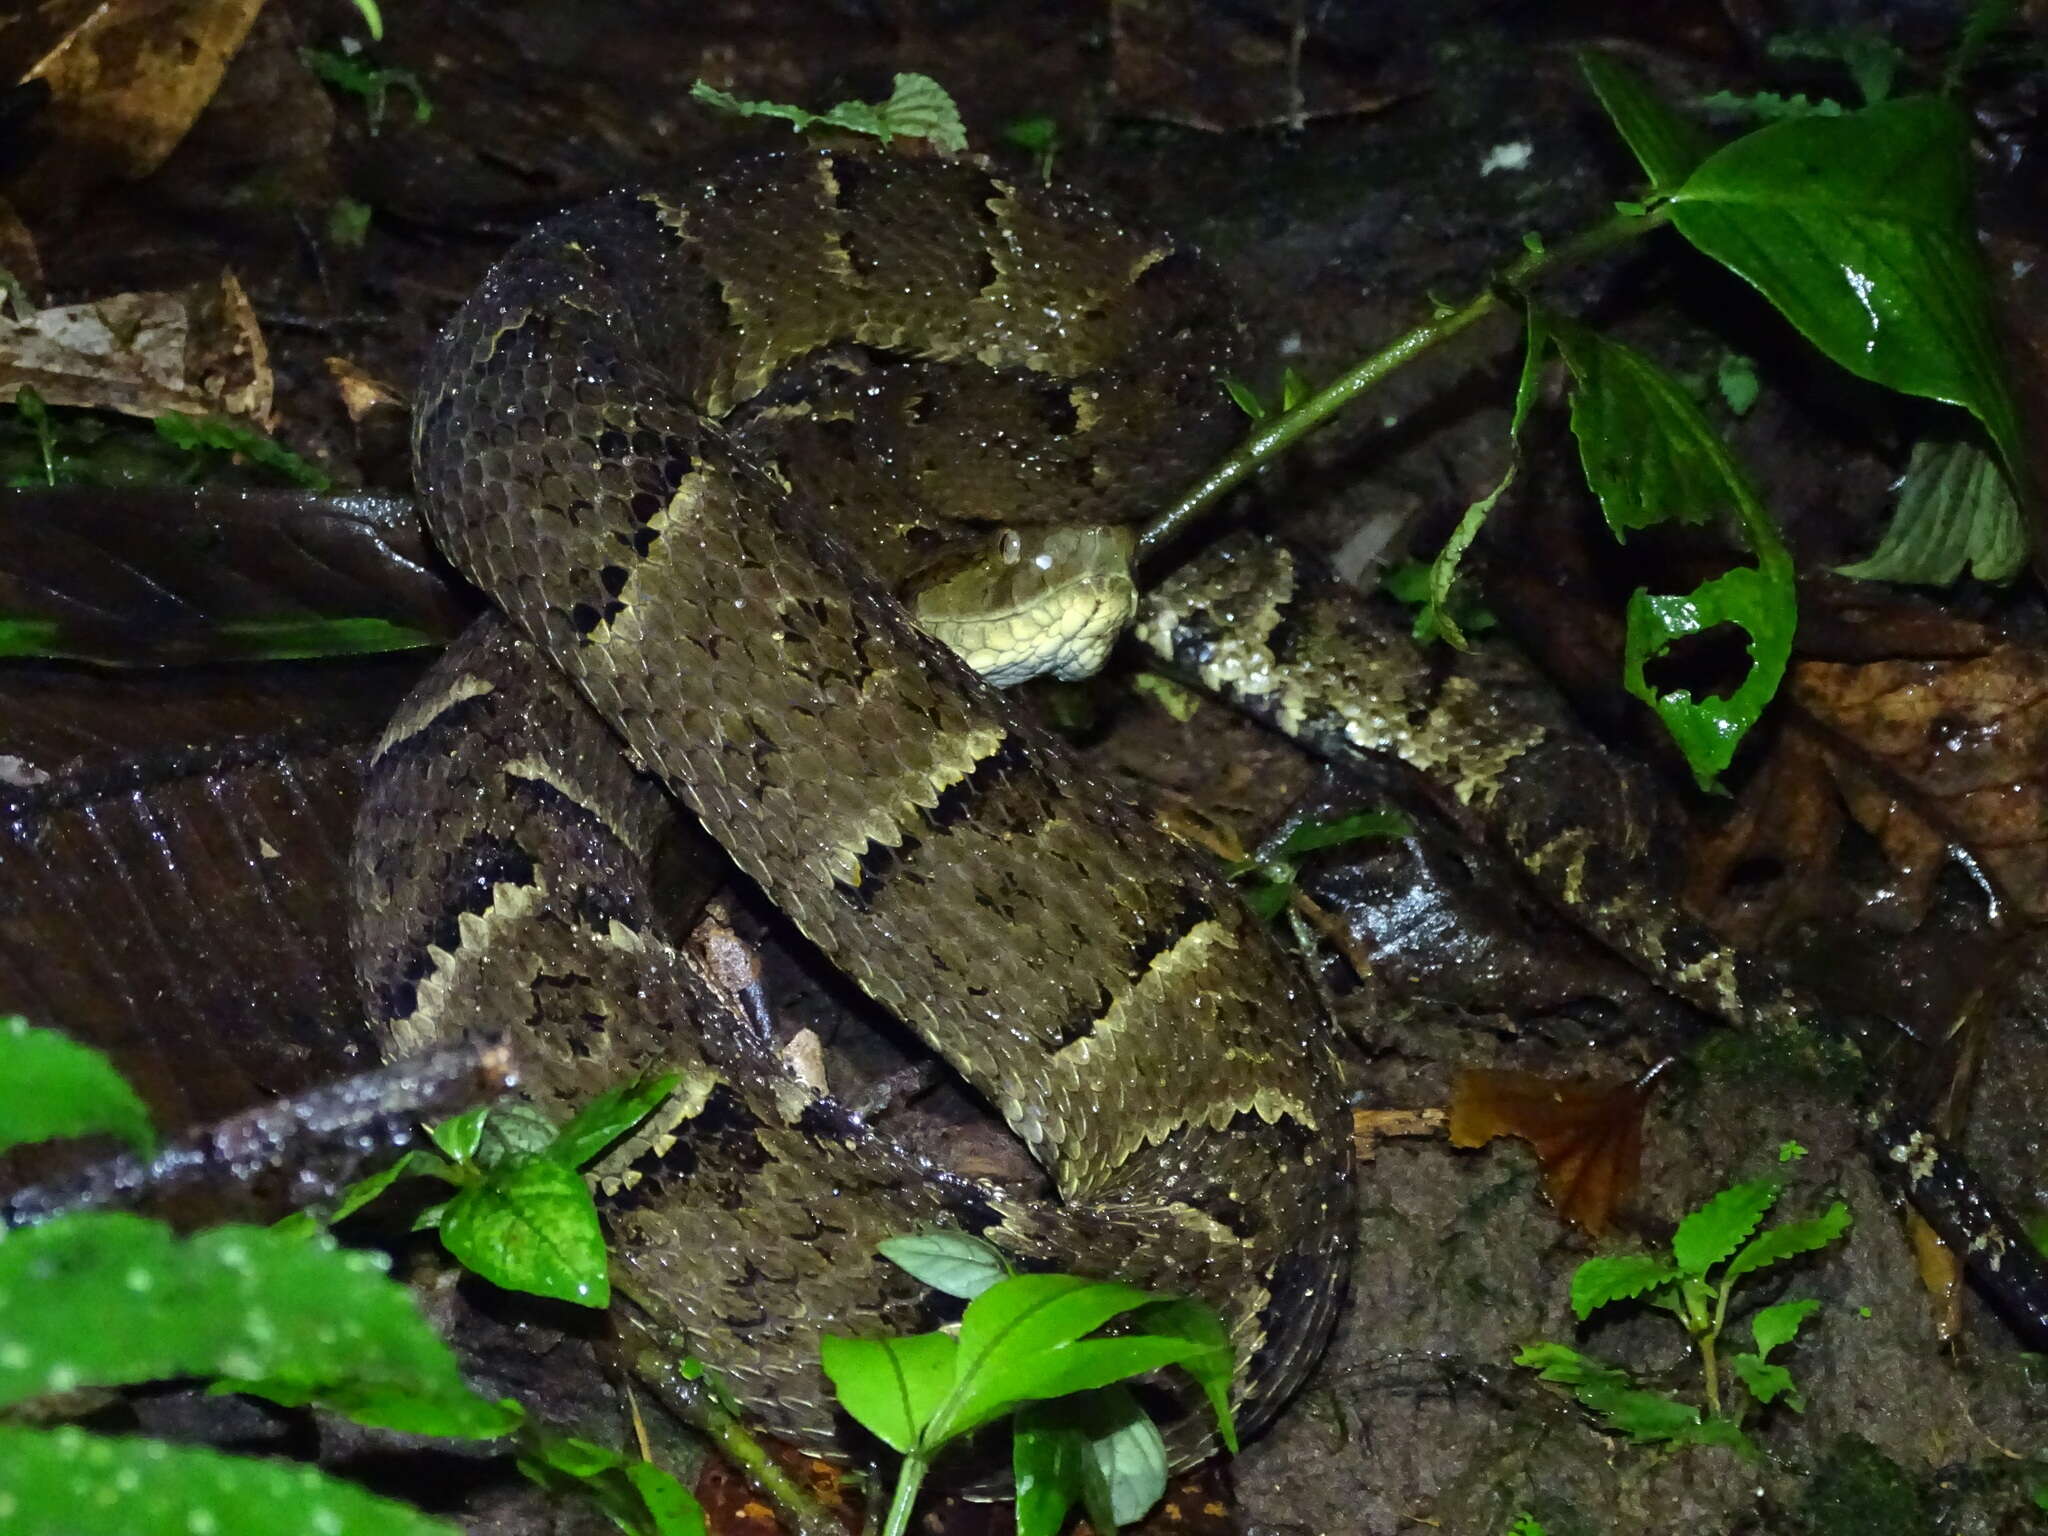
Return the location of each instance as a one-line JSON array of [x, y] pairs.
[[1011, 547]]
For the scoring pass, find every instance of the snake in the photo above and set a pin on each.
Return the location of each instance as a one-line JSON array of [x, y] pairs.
[[726, 462]]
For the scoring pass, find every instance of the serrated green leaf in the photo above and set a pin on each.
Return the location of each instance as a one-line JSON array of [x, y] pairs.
[[1646, 1418], [459, 1134], [953, 1262], [893, 1387], [1780, 1324], [1616, 1277], [1955, 508], [919, 108], [232, 1301], [1567, 1367], [1788, 1241], [51, 1086], [1767, 1381], [1716, 1229], [219, 435], [1438, 620], [64, 1482], [1668, 146], [533, 1227], [608, 1117], [1859, 230]]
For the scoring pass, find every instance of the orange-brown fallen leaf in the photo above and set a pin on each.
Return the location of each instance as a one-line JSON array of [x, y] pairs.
[[1588, 1136]]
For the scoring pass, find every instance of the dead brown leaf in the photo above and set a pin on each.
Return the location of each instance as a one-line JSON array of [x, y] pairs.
[[198, 351], [126, 79], [1955, 752], [1588, 1135], [360, 392]]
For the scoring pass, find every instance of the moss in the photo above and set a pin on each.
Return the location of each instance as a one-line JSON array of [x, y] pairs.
[[1860, 1491], [1791, 1053]]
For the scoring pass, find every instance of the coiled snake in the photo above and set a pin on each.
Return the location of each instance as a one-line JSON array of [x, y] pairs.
[[606, 441]]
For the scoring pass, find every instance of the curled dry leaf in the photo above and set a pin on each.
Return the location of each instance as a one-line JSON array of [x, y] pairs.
[[361, 393], [1587, 1135], [126, 79], [1958, 749], [198, 351]]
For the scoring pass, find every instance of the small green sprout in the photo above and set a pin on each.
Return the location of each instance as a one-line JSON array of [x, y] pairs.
[[1028, 1348], [1038, 137], [918, 108], [348, 71], [1271, 878], [1712, 1250]]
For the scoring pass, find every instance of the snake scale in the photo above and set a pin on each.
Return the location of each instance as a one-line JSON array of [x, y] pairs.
[[603, 444]]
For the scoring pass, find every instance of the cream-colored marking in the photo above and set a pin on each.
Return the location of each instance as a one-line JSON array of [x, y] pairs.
[[1146, 263], [412, 720], [836, 260], [535, 771], [1086, 412], [447, 969]]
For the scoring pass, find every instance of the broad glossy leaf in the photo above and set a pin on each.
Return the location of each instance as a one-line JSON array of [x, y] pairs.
[[892, 1386], [64, 1482], [515, 1130], [460, 1417], [108, 1299], [459, 1134], [953, 1262], [671, 1508], [1649, 456], [1211, 1362], [1669, 147], [51, 1086], [531, 1227], [608, 1117], [1859, 229], [1046, 1457]]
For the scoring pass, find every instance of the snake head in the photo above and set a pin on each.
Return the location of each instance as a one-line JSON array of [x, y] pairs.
[[1033, 602]]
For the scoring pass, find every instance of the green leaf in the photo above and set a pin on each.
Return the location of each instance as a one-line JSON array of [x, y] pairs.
[[1026, 1338], [458, 1136], [608, 1117], [64, 1482], [1647, 1417], [1046, 1457], [893, 1387], [1336, 832], [1790, 1151], [1668, 146], [1567, 1367], [1616, 1277], [1785, 1242], [139, 1304], [364, 1191], [672, 1510], [1649, 455], [463, 1417], [1955, 509], [1735, 377], [515, 1131], [1767, 1382], [1859, 230], [1210, 1359], [1100, 1446], [52, 1086], [1437, 620], [918, 108], [952, 1262], [1244, 397], [1780, 1324], [217, 434], [533, 1227], [1712, 1232], [1179, 702], [309, 639]]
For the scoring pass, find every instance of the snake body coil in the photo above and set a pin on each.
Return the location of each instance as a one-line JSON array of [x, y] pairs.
[[605, 444]]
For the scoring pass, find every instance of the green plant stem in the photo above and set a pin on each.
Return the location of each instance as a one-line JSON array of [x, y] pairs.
[[655, 1360], [909, 1478], [1269, 439]]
